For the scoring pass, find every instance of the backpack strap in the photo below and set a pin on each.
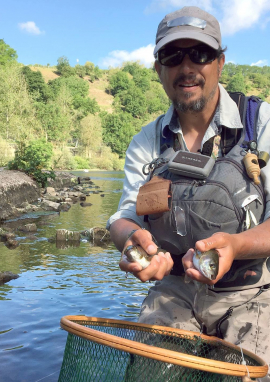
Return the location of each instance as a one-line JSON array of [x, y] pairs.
[[248, 110]]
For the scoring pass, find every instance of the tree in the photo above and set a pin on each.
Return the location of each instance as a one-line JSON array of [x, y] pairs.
[[118, 130], [7, 54], [92, 71], [133, 101], [80, 70], [36, 84], [91, 134], [119, 81], [142, 78], [63, 67], [17, 110], [237, 84]]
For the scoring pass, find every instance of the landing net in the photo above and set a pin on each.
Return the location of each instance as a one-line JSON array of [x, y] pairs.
[[104, 350]]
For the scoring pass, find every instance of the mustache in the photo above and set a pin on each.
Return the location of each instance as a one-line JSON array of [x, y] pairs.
[[188, 78]]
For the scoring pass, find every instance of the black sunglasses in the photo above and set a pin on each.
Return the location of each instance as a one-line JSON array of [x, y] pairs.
[[199, 54]]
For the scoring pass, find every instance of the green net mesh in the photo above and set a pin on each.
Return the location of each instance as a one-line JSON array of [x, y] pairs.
[[86, 361]]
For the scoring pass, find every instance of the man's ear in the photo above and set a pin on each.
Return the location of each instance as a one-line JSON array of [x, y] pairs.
[[221, 62]]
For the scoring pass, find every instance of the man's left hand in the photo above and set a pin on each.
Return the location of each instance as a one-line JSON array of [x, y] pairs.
[[224, 243]]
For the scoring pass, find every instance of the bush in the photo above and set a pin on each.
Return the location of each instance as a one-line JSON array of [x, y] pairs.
[[31, 158], [82, 163], [6, 152], [63, 159]]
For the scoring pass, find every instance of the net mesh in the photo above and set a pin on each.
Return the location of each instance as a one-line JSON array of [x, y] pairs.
[[86, 361]]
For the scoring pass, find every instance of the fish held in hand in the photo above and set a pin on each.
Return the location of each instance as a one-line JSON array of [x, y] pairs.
[[207, 263], [135, 253]]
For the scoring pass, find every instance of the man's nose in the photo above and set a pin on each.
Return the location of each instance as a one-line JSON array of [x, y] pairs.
[[187, 65]]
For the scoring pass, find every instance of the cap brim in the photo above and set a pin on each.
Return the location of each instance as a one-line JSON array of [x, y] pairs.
[[193, 35]]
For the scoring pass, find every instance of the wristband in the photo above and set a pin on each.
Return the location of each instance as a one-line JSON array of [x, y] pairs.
[[132, 232]]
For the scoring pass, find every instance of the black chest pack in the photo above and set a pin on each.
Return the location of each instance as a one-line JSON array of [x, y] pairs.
[[199, 165]]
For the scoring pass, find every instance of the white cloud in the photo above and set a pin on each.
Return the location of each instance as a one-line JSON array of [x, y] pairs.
[[234, 15], [30, 27], [260, 63], [116, 58], [242, 14]]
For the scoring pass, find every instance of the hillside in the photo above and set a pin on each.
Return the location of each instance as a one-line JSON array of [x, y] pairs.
[[97, 89]]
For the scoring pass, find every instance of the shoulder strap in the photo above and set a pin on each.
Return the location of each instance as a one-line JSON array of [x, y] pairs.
[[248, 110], [241, 101]]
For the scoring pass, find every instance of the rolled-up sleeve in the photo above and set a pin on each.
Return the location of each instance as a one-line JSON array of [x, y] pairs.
[[141, 151]]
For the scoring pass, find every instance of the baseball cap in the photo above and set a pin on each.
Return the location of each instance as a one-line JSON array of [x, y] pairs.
[[188, 22]]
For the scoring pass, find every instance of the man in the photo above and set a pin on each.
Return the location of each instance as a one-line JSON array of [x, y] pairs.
[[200, 214]]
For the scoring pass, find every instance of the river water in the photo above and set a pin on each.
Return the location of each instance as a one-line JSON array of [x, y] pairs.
[[56, 282]]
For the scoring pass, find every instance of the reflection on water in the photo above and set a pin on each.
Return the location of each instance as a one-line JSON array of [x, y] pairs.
[[55, 282]]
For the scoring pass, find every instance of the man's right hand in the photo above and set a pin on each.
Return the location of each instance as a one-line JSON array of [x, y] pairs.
[[160, 266]]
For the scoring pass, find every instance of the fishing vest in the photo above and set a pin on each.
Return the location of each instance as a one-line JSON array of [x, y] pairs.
[[199, 208]]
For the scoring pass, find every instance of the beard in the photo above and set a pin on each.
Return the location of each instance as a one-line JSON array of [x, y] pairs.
[[194, 106]]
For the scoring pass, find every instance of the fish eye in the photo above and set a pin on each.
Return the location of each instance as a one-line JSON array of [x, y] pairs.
[[212, 265]]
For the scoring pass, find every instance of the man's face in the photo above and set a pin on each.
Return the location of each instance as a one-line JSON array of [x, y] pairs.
[[190, 86]]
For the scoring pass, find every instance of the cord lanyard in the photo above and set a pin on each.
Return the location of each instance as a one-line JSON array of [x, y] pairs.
[[229, 312]]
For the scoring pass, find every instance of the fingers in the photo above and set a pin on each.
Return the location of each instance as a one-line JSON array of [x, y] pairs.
[[216, 241], [144, 239], [159, 267]]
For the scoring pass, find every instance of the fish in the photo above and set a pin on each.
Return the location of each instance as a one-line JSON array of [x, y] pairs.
[[207, 263], [135, 253]]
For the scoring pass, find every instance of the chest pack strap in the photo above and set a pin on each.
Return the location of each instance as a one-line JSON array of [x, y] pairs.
[[248, 110]]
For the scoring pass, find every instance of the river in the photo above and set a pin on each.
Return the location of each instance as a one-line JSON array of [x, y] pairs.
[[56, 282]]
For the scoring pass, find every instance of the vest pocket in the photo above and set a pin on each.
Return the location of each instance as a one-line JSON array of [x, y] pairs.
[[202, 228]]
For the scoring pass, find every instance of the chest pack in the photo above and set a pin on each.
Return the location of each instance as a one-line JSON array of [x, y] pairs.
[[226, 200]]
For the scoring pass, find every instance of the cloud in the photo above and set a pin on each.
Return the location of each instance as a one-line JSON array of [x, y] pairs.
[[234, 15], [260, 63], [117, 57], [30, 27], [242, 14]]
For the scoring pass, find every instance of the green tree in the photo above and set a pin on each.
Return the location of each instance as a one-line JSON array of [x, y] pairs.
[[133, 101], [31, 157], [157, 99], [56, 121], [17, 108], [90, 134], [80, 70], [118, 130], [63, 67], [36, 84], [237, 84], [119, 81], [7, 54], [92, 71]]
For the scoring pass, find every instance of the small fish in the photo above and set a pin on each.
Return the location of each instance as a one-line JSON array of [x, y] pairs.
[[207, 263], [135, 253]]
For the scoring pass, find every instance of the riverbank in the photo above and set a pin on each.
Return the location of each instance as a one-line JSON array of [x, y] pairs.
[[18, 189]]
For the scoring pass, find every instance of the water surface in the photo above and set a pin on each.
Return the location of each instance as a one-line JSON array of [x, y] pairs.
[[56, 282]]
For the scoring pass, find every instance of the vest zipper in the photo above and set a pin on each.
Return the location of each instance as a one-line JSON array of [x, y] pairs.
[[243, 172], [199, 183]]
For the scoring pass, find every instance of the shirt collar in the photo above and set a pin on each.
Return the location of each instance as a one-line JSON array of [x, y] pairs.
[[226, 114]]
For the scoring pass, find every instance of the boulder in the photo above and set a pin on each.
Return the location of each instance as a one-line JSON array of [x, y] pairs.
[[7, 276], [29, 228], [65, 235], [47, 205]]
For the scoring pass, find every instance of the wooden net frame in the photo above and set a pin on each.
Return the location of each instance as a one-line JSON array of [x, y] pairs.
[[77, 325]]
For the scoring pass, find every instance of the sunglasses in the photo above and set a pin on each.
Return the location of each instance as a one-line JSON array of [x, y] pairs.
[[199, 54]]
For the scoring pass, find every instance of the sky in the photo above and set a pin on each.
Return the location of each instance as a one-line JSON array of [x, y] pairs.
[[110, 32]]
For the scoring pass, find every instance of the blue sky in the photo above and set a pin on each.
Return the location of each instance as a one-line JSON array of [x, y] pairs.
[[108, 33]]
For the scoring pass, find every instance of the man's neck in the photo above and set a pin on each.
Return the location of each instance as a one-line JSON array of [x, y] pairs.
[[194, 125]]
